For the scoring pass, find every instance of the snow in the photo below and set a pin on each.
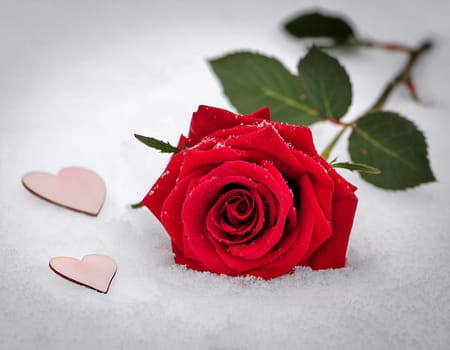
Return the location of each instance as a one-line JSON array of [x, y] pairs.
[[79, 78]]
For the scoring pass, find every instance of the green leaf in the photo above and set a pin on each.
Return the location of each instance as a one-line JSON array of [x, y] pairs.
[[318, 25], [394, 145], [326, 84], [362, 168], [136, 205], [163, 147], [251, 81]]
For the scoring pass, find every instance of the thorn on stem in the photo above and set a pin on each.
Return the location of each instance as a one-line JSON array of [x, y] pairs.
[[412, 89]]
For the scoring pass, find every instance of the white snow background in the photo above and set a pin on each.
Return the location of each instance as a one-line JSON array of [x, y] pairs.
[[78, 78]]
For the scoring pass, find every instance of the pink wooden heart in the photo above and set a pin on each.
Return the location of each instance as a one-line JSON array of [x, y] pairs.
[[75, 188], [94, 271]]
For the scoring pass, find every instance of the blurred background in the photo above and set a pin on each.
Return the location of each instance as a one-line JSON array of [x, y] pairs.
[[79, 78]]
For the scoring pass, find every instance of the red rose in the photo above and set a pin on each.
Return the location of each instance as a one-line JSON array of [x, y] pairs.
[[248, 196]]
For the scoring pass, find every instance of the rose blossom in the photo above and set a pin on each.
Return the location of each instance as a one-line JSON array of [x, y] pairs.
[[248, 196]]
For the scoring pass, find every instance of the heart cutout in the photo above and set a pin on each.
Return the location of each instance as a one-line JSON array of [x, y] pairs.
[[75, 188], [95, 271]]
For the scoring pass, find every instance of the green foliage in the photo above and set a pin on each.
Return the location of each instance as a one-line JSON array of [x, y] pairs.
[[163, 147], [359, 167], [394, 145], [318, 25], [322, 90], [252, 80], [326, 84]]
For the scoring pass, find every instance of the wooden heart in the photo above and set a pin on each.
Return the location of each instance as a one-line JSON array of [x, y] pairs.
[[94, 271], [74, 188]]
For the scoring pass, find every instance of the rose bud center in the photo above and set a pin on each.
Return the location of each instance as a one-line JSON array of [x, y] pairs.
[[237, 216], [238, 209]]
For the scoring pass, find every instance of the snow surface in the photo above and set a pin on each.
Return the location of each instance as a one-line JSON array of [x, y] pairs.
[[78, 78]]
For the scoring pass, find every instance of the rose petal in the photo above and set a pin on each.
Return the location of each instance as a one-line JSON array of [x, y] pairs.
[[233, 235], [247, 266], [182, 142], [208, 158], [194, 213], [163, 186], [320, 179], [343, 188], [238, 207], [285, 256], [313, 230], [297, 249], [298, 137], [170, 216], [249, 142], [280, 193], [322, 226], [208, 190], [264, 143], [209, 119], [332, 253], [244, 264], [180, 259]]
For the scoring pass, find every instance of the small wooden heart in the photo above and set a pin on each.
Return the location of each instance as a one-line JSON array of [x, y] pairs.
[[75, 188], [95, 271]]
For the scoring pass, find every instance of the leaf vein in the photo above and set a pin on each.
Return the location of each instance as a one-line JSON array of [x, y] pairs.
[[384, 149]]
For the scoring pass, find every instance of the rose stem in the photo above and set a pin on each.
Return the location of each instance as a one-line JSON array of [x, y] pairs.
[[327, 150], [390, 46], [402, 76]]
